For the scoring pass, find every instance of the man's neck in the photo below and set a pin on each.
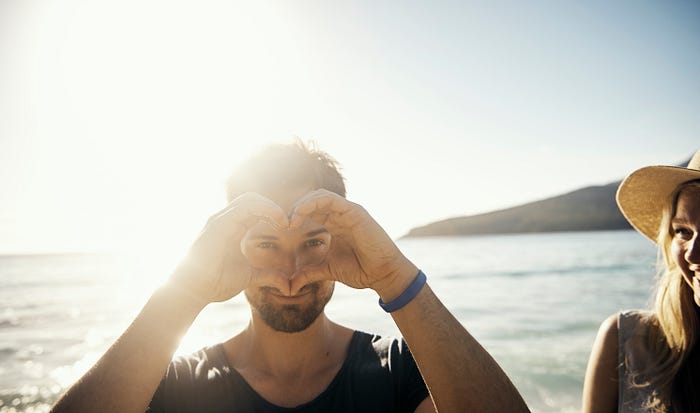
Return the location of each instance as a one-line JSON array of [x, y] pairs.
[[261, 351]]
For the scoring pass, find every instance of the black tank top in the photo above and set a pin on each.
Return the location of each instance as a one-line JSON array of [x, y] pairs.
[[378, 375]]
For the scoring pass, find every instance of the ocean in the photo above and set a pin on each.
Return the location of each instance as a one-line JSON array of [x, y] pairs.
[[534, 301]]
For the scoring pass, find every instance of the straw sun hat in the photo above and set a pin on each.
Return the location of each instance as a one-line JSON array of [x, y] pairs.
[[642, 195]]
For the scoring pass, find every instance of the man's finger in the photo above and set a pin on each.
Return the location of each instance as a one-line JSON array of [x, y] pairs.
[[271, 278], [325, 203], [310, 274], [246, 211]]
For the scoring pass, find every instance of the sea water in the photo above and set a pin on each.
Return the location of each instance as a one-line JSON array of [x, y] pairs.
[[534, 301]]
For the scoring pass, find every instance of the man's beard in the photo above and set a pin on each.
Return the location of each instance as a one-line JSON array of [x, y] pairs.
[[289, 318]]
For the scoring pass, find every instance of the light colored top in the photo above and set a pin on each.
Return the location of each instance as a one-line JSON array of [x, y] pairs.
[[633, 356]]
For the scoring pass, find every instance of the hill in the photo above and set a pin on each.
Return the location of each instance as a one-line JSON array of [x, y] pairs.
[[587, 209]]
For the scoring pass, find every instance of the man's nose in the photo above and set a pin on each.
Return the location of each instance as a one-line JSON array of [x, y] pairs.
[[289, 263]]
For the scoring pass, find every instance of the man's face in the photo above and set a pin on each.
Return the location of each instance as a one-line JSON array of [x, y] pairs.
[[281, 255]]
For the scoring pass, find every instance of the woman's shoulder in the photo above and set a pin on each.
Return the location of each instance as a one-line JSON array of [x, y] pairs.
[[640, 315], [635, 322], [638, 357], [635, 328], [618, 328]]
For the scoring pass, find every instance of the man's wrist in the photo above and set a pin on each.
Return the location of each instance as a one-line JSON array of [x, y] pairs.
[[406, 296], [395, 284]]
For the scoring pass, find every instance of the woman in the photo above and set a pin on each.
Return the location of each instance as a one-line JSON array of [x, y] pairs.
[[648, 361]]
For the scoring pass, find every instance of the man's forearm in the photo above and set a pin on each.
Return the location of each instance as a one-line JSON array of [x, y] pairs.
[[460, 374], [127, 375]]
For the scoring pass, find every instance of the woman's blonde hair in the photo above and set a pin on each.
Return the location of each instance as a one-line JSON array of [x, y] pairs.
[[674, 326]]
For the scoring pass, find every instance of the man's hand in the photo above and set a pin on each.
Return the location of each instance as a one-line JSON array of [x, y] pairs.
[[361, 255], [215, 268]]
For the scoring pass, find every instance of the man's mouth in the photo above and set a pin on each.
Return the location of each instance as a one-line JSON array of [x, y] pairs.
[[304, 291]]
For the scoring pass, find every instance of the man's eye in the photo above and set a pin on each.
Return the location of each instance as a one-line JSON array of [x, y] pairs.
[[266, 244], [314, 243]]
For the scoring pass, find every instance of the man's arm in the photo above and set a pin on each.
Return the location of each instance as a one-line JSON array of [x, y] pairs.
[[460, 375], [126, 377]]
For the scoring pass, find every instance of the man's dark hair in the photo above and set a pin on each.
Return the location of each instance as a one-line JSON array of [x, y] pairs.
[[286, 166]]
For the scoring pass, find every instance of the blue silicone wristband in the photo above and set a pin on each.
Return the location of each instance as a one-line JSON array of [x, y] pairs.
[[409, 294]]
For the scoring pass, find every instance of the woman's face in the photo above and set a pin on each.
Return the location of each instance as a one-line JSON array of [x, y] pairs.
[[685, 247]]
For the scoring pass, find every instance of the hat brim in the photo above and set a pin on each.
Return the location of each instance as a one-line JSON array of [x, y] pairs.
[[643, 194]]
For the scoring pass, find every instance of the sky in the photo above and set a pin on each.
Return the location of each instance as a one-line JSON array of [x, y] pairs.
[[120, 121]]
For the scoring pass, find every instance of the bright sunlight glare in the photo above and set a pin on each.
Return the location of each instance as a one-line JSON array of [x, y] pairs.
[[121, 121], [125, 174]]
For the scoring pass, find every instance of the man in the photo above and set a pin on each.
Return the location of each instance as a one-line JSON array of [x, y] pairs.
[[286, 236]]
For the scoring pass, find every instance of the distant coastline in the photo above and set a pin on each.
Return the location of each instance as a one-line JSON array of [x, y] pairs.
[[591, 208]]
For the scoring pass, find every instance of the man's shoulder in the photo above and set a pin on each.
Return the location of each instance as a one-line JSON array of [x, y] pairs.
[[375, 340], [381, 367], [385, 347], [205, 353], [210, 359]]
